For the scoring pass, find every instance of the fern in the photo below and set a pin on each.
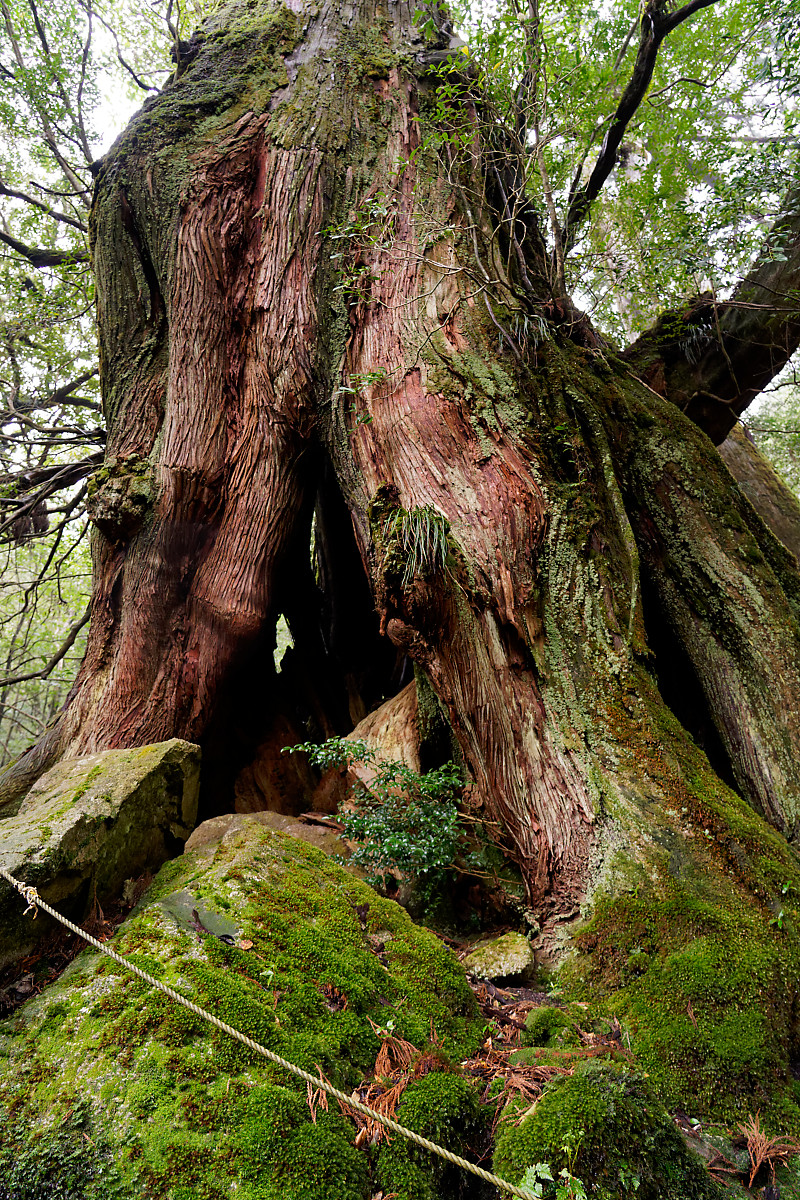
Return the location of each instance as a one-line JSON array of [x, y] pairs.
[[418, 537]]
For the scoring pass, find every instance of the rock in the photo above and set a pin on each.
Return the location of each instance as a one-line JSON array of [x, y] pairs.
[[215, 829], [506, 957], [604, 1125], [89, 824], [109, 1088]]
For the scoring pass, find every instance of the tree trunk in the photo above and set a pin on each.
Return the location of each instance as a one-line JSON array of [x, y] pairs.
[[542, 535], [773, 500]]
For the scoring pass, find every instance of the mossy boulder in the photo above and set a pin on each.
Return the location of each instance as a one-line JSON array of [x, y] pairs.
[[508, 956], [325, 836], [444, 1108], [551, 1027], [605, 1125], [89, 824], [281, 942]]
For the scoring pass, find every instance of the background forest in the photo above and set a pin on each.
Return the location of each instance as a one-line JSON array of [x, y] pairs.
[[698, 182]]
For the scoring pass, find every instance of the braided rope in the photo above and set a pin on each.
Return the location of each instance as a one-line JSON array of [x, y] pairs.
[[34, 901]]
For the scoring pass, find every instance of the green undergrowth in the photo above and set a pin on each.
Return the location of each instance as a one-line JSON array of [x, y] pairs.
[[319, 966], [605, 1126]]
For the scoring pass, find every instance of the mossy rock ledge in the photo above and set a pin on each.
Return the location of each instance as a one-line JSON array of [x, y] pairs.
[[110, 1089], [89, 824]]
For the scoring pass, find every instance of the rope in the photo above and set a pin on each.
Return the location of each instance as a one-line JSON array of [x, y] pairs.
[[34, 901]]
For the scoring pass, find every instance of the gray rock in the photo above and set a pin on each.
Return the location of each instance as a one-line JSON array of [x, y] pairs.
[[506, 957], [88, 825], [322, 834]]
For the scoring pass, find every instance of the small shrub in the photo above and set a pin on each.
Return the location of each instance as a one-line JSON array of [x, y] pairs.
[[402, 821]]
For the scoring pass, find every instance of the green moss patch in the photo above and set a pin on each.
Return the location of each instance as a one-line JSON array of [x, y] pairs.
[[444, 1108], [551, 1027], [605, 1125], [708, 993], [695, 945]]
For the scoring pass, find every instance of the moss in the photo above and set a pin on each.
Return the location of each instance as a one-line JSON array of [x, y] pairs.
[[691, 925], [365, 53], [239, 66], [606, 1126], [54, 1162], [84, 787], [281, 1147], [550, 1027], [694, 945], [190, 1105], [707, 994], [444, 1108]]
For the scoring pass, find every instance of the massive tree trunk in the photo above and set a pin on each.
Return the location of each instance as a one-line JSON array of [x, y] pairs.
[[313, 315]]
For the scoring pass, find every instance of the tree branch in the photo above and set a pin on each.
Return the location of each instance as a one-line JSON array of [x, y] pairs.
[[19, 408], [41, 110], [713, 358], [60, 474], [44, 258], [91, 11], [51, 212], [656, 23], [52, 663]]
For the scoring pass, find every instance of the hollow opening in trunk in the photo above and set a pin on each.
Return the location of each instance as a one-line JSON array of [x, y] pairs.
[[680, 687], [318, 670]]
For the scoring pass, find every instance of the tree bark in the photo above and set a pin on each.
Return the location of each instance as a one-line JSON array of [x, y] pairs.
[[775, 503], [528, 516]]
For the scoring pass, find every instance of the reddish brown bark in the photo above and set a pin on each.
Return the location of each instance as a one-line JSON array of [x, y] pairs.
[[250, 377]]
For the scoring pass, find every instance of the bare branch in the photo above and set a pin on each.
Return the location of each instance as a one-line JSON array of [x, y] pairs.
[[52, 663], [45, 208], [656, 23], [145, 87], [62, 395], [62, 474], [680, 79], [39, 258], [623, 50]]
